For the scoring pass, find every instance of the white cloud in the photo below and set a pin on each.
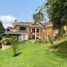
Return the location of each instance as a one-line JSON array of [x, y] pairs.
[[7, 20]]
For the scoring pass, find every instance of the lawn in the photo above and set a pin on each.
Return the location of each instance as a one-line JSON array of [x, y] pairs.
[[36, 55]]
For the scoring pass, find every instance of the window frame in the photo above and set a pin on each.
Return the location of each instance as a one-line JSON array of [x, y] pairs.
[[20, 28], [33, 29]]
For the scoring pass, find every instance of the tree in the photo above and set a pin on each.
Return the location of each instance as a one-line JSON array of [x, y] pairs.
[[2, 30], [9, 28], [38, 17], [11, 40], [14, 43], [57, 12]]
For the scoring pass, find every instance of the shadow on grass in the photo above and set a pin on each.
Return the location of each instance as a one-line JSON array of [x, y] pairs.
[[17, 54], [61, 49]]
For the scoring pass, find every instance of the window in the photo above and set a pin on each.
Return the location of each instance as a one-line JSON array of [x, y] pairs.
[[37, 30], [23, 28], [33, 30], [37, 34], [37, 37]]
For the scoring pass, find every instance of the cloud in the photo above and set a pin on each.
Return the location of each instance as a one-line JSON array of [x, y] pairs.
[[7, 20]]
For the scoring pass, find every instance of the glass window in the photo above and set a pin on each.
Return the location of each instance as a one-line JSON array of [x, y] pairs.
[[33, 30], [37, 30], [23, 28]]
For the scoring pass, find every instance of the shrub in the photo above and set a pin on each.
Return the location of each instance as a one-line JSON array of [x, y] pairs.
[[0, 41], [30, 37], [50, 40], [6, 41], [0, 44], [14, 47], [11, 40]]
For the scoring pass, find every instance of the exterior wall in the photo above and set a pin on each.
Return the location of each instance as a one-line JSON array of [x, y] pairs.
[[4, 47], [23, 37], [24, 34], [17, 30], [50, 30], [37, 34], [41, 34]]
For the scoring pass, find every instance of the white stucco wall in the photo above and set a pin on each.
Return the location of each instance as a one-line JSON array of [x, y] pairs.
[[23, 37]]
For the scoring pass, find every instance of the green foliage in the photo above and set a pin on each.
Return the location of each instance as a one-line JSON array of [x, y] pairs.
[[2, 30], [40, 41], [14, 46], [38, 17], [50, 37], [0, 44], [9, 28], [50, 40], [14, 50], [30, 37], [57, 12], [0, 41], [6, 41], [15, 38], [62, 31], [11, 40]]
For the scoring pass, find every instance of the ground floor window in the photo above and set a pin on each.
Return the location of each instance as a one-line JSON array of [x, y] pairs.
[[37, 37]]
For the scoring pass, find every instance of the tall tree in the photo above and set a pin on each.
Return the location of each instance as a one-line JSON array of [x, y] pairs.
[[57, 12], [2, 30], [38, 17]]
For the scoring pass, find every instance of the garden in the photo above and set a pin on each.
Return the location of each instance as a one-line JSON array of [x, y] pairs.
[[37, 54]]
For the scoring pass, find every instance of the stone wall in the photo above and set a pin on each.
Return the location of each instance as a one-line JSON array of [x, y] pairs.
[[4, 47]]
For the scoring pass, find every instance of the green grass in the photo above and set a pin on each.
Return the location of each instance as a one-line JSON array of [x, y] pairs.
[[36, 55]]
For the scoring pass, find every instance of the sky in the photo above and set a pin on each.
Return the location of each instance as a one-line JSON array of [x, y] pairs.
[[21, 10]]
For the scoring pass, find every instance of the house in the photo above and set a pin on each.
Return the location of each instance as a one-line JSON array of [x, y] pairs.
[[36, 31], [27, 29]]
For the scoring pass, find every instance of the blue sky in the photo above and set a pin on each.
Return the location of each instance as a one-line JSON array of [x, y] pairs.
[[22, 10]]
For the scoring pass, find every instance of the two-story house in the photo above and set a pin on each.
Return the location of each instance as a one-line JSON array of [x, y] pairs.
[[36, 31], [28, 28]]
